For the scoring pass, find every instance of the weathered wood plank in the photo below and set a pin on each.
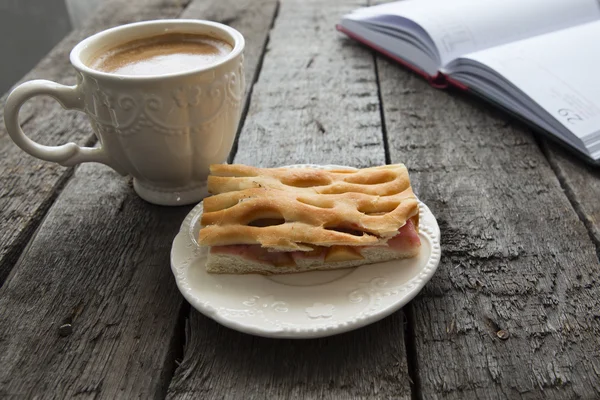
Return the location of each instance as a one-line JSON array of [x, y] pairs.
[[315, 101], [516, 259], [28, 186], [222, 364], [100, 261]]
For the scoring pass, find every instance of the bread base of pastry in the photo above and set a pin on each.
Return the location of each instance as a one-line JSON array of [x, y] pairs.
[[232, 264]]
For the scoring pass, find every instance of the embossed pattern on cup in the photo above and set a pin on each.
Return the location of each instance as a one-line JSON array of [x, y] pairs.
[[167, 139]]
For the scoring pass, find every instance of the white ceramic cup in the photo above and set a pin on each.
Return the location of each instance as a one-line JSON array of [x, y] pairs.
[[164, 130]]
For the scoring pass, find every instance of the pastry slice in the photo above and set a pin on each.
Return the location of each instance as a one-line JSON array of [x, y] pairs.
[[285, 220]]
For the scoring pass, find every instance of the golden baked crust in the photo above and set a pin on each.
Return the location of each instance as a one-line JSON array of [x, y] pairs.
[[288, 209]]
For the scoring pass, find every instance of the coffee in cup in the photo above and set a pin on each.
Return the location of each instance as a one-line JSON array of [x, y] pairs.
[[163, 54]]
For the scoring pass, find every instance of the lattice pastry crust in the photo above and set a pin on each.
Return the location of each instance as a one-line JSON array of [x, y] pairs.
[[295, 209]]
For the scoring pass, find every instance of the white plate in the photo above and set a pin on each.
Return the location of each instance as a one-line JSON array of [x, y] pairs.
[[305, 305]]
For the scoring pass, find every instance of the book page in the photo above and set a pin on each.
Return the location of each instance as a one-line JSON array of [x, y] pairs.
[[459, 27], [558, 71]]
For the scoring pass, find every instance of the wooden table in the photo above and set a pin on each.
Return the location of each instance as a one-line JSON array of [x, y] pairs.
[[89, 308]]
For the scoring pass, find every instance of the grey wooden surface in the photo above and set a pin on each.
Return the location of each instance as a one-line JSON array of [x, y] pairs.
[[519, 221]]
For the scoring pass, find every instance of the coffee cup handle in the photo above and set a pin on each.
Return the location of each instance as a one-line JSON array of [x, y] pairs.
[[69, 97]]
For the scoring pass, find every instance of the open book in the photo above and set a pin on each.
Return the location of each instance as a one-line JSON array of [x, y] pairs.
[[539, 59]]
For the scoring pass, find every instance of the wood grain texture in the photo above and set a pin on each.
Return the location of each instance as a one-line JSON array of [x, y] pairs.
[[316, 97], [28, 186], [517, 261], [315, 101], [100, 262], [223, 364]]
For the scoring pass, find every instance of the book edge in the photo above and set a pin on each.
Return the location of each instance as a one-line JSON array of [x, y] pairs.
[[438, 81]]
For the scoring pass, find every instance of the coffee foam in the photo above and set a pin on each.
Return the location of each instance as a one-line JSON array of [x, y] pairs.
[[163, 54]]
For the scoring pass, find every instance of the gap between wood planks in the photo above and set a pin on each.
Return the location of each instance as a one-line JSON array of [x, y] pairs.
[[569, 193], [386, 145], [409, 332], [246, 107], [23, 240], [178, 344], [411, 353]]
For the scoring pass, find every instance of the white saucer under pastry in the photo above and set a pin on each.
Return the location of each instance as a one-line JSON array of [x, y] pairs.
[[304, 305]]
